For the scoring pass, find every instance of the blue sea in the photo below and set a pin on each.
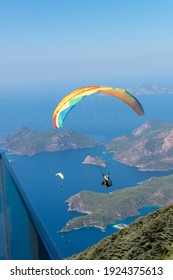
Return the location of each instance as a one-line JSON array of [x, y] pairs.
[[100, 117]]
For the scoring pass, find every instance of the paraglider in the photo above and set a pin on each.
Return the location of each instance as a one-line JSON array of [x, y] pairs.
[[74, 97], [59, 174], [107, 182]]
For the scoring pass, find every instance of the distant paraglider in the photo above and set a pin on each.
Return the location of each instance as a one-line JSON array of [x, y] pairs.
[[74, 97], [59, 174]]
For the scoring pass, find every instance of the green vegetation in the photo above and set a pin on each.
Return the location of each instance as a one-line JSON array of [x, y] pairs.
[[25, 141], [105, 209], [148, 238]]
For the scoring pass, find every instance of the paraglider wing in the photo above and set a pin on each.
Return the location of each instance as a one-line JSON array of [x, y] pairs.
[[126, 97], [73, 98], [60, 175], [68, 102]]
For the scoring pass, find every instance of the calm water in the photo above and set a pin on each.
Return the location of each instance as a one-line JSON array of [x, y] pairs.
[[101, 119], [37, 175]]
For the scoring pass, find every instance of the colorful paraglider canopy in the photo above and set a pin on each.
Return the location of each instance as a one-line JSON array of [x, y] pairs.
[[74, 97], [60, 175]]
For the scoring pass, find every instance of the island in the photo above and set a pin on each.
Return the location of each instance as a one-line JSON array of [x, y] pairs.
[[149, 147], [103, 209], [94, 160], [26, 141]]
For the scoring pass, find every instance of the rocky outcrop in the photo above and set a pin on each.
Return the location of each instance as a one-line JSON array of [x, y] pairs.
[[94, 160]]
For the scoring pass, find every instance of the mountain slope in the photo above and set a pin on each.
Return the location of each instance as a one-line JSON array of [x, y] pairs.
[[25, 141], [148, 238], [149, 147]]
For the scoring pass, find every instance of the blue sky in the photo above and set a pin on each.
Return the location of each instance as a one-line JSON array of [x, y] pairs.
[[86, 41]]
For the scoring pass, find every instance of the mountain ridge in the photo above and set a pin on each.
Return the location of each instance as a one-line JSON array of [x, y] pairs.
[[149, 147], [26, 141], [148, 238]]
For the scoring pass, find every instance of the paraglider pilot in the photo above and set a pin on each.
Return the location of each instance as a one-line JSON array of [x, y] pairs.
[[107, 182]]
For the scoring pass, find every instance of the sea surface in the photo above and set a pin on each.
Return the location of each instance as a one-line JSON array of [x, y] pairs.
[[99, 117]]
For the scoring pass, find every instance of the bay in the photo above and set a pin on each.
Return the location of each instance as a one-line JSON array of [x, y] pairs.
[[102, 120], [37, 176]]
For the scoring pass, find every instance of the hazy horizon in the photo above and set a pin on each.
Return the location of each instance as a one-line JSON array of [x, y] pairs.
[[85, 42]]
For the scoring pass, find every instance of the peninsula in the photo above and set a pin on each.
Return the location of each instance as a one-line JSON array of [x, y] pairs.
[[149, 147], [25, 141], [104, 209]]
